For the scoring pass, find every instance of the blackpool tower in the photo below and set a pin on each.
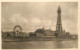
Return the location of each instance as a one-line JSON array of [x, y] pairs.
[[59, 22]]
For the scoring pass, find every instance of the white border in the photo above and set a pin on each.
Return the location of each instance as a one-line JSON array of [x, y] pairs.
[[44, 1]]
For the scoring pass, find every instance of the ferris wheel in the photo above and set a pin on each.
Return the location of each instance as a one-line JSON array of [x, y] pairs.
[[17, 28]]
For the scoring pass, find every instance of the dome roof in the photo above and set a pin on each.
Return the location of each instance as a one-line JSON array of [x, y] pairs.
[[39, 31]]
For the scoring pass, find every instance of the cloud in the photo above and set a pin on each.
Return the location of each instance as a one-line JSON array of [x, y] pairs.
[[35, 21], [18, 19]]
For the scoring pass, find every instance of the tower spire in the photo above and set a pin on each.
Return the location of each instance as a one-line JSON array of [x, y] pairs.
[[59, 10], [59, 23]]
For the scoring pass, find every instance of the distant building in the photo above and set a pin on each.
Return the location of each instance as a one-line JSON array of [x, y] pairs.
[[8, 34], [15, 32], [40, 32], [44, 33], [49, 33], [32, 34]]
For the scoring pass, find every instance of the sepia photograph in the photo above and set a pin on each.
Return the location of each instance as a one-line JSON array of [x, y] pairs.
[[39, 25]]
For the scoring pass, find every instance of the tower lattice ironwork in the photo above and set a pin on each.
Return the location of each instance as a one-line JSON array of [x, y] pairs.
[[59, 22]]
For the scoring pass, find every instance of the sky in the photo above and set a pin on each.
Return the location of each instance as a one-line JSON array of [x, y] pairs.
[[33, 15]]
